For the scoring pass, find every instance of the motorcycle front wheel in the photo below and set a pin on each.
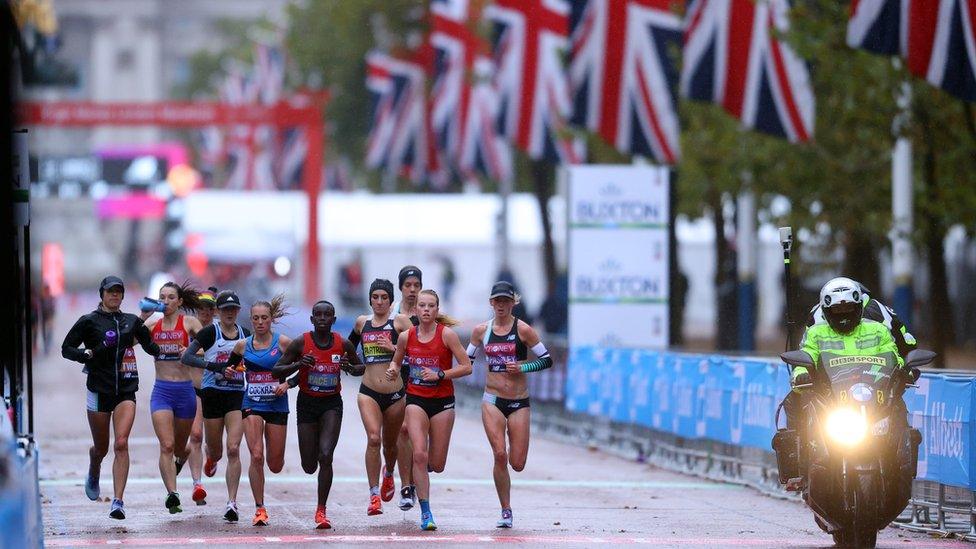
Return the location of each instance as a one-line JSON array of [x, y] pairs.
[[865, 496], [853, 538]]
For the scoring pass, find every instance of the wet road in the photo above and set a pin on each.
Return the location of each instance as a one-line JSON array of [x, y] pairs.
[[567, 496]]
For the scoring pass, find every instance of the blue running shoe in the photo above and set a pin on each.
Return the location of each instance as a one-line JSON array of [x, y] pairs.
[[506, 520], [427, 522], [118, 510], [91, 487]]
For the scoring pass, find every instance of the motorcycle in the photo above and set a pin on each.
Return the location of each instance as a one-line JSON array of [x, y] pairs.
[[855, 455]]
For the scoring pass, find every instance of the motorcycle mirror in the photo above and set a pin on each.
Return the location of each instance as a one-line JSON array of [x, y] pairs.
[[914, 374], [919, 357], [797, 358]]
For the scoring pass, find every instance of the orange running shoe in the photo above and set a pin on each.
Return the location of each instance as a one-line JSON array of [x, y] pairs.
[[375, 507], [387, 489], [199, 494], [260, 517], [321, 521], [210, 468]]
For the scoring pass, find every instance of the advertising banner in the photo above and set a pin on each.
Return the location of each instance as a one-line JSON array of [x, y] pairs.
[[618, 256]]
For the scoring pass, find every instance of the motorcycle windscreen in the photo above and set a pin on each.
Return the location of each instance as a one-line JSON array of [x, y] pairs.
[[864, 379]]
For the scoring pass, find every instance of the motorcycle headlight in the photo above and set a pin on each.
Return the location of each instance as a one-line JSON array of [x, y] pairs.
[[846, 426]]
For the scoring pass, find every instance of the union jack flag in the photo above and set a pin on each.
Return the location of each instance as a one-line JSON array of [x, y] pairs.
[[937, 38], [400, 139], [529, 41], [464, 105], [732, 57], [622, 75]]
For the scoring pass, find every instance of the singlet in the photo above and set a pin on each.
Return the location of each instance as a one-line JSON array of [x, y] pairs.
[[322, 379], [259, 391], [503, 349], [170, 341], [373, 353], [220, 352], [395, 310], [433, 354]]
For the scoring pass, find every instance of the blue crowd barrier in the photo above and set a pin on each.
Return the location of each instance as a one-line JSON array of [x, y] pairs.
[[734, 400]]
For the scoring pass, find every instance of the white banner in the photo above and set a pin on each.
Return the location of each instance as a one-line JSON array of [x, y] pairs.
[[618, 256]]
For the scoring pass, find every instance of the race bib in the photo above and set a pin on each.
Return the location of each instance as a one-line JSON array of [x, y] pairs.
[[322, 383], [415, 378], [261, 386], [372, 351], [128, 368], [220, 380], [499, 354]]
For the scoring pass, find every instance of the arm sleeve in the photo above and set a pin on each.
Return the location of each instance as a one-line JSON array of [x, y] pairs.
[[75, 338], [809, 345], [354, 337], [190, 356], [206, 337], [234, 359], [888, 346]]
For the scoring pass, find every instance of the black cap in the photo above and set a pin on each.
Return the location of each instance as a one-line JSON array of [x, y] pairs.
[[110, 282], [502, 289], [408, 271], [383, 285], [228, 299]]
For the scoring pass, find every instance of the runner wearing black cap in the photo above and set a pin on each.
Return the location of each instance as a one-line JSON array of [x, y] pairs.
[[106, 336], [505, 405], [410, 280], [380, 400], [221, 396]]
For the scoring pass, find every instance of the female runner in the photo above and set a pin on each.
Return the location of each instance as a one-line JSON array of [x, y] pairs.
[[319, 356], [410, 280], [173, 404], [505, 405], [381, 402], [221, 397], [265, 403], [107, 335], [205, 314], [428, 348]]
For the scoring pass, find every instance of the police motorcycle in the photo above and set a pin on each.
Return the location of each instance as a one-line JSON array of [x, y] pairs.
[[855, 456]]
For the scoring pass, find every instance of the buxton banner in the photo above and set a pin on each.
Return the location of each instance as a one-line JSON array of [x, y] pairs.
[[618, 256]]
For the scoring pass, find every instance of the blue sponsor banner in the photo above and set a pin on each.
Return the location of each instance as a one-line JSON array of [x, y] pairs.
[[734, 400]]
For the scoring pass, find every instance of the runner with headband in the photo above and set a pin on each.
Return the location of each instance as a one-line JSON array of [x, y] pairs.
[[381, 402]]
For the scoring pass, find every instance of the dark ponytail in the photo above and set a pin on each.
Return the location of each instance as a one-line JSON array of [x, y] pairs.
[[189, 295]]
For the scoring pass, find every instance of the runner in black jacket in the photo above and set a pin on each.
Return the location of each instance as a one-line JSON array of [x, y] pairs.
[[106, 337]]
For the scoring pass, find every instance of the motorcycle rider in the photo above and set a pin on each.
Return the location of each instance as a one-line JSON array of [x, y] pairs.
[[873, 310], [845, 332]]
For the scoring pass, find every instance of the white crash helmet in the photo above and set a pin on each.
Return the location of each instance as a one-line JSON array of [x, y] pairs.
[[842, 305]]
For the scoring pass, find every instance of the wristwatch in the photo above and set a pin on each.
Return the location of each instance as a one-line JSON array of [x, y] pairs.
[[440, 374]]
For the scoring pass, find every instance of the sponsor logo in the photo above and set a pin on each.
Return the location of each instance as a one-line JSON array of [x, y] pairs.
[[336, 358], [846, 360], [862, 392], [614, 211], [511, 337]]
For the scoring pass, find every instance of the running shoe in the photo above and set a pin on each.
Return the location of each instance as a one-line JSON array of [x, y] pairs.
[[179, 464], [506, 520], [427, 522], [321, 521], [118, 510], [173, 503], [408, 498], [260, 517], [388, 488], [230, 515], [375, 507], [199, 494], [210, 468], [92, 489]]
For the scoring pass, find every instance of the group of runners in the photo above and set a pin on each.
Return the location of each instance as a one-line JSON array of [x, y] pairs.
[[218, 383]]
